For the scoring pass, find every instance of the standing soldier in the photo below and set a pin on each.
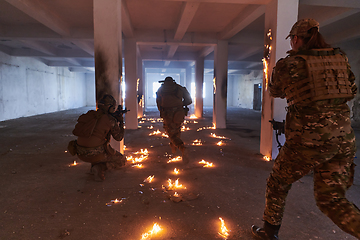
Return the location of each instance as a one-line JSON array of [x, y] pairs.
[[93, 131], [316, 81], [172, 100]]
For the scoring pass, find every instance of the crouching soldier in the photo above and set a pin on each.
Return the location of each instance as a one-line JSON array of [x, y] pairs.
[[93, 131]]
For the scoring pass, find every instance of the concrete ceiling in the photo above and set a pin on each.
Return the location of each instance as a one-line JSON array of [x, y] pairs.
[[60, 32]]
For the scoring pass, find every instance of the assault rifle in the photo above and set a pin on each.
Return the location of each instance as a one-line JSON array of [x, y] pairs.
[[118, 114], [279, 127]]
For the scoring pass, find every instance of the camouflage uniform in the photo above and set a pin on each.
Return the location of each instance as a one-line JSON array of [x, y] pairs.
[[319, 137], [171, 99], [96, 148]]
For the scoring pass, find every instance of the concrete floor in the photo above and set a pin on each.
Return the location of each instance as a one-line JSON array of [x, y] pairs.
[[42, 196]]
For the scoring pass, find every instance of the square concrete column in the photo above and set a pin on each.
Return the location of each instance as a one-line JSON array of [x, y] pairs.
[[108, 55], [131, 121], [220, 84], [280, 15], [140, 86], [199, 83]]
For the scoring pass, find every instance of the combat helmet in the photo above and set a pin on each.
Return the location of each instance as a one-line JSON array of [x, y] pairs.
[[107, 104]]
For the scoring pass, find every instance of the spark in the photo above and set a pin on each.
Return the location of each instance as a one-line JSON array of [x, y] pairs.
[[224, 232]]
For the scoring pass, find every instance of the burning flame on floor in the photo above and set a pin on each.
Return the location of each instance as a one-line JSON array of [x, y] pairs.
[[176, 171], [267, 158], [219, 143], [175, 159], [137, 165], [175, 185], [164, 135], [193, 116], [151, 127], [206, 164], [124, 148], [176, 194], [199, 129], [216, 136], [155, 133], [156, 229], [149, 179], [143, 152], [224, 232], [183, 128], [197, 142], [140, 122], [136, 159], [73, 164]]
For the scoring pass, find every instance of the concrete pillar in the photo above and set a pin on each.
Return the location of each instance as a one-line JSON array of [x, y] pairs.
[[280, 15], [107, 48], [131, 83], [220, 86], [199, 83], [140, 92]]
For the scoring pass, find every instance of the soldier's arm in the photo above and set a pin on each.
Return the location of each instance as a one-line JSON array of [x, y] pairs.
[[279, 76], [117, 129], [187, 98]]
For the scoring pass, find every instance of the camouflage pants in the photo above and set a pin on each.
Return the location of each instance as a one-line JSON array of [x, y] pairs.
[[96, 155], [172, 121], [333, 168]]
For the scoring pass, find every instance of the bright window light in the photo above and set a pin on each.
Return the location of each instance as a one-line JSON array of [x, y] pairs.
[[156, 86], [192, 91]]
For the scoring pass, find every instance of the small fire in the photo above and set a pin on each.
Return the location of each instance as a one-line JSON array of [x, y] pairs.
[[192, 116], [213, 127], [151, 127], [143, 152], [183, 128], [75, 163], [267, 158], [149, 179], [206, 164], [176, 171], [219, 143], [176, 194], [175, 185], [164, 135], [137, 165], [140, 122], [116, 201], [224, 232], [195, 122], [155, 133], [215, 136], [175, 159], [156, 228], [196, 142]]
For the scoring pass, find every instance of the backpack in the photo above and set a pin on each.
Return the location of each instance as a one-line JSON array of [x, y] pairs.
[[86, 124]]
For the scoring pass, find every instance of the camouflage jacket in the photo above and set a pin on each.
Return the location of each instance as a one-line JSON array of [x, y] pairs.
[[310, 123]]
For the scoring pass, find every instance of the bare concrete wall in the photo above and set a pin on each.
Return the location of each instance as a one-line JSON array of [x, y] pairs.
[[29, 87]]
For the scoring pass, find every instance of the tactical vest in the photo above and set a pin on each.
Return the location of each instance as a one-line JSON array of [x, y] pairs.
[[170, 96], [327, 77]]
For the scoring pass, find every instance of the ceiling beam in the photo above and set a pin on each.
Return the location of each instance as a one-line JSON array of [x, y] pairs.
[[332, 3], [206, 51], [85, 45], [172, 50], [338, 17], [38, 11], [39, 46], [224, 1], [187, 14], [346, 35], [126, 24], [250, 52], [246, 17]]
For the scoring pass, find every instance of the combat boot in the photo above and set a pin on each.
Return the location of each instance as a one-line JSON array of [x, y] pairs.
[[99, 172], [268, 232], [185, 154], [173, 147]]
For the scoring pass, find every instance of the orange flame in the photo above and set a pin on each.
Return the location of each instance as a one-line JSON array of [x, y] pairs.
[[267, 158], [149, 179], [206, 164], [138, 165], [219, 143], [175, 185], [224, 232], [176, 171], [176, 159], [156, 229], [216, 136], [196, 142], [75, 163], [192, 116]]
